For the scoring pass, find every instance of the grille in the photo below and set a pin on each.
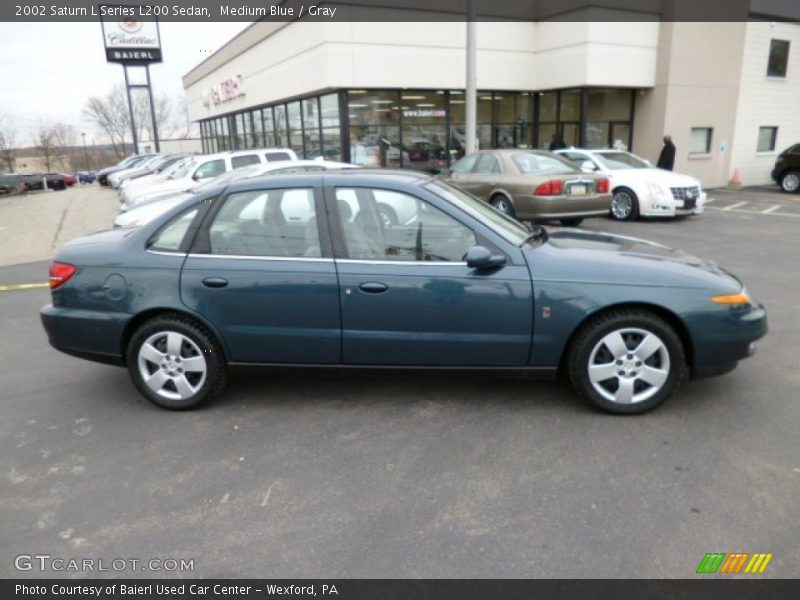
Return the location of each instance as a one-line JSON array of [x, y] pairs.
[[685, 193]]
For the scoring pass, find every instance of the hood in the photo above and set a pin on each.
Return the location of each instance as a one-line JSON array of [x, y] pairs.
[[577, 255], [659, 176], [167, 185], [140, 215]]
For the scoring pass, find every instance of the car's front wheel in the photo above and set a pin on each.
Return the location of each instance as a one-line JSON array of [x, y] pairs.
[[790, 182], [626, 361], [176, 363], [624, 205]]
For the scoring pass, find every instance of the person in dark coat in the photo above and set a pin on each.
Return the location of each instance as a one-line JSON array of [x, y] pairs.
[[557, 143], [666, 160]]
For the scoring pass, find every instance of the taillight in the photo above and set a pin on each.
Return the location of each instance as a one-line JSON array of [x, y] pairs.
[[553, 187], [60, 274], [602, 186]]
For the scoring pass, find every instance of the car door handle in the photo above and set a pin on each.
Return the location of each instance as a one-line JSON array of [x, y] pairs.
[[215, 282], [373, 287]]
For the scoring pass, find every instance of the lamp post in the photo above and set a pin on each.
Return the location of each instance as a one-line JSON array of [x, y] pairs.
[[85, 154]]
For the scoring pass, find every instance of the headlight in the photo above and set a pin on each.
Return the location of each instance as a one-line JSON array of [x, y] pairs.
[[656, 190], [743, 298]]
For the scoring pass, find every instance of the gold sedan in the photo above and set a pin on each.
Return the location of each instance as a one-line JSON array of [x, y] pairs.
[[532, 185]]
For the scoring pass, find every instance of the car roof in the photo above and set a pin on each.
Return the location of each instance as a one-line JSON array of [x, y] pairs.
[[337, 177]]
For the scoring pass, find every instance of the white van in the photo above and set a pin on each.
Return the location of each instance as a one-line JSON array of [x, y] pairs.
[[200, 168]]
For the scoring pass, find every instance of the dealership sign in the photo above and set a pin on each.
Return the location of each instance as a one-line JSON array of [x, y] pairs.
[[429, 113], [131, 41], [225, 91]]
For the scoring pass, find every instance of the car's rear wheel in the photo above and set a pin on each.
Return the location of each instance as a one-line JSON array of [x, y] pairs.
[[571, 222], [176, 363], [624, 205], [626, 361], [502, 204], [790, 182]]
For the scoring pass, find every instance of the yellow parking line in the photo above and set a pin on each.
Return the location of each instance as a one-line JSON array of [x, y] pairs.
[[23, 286]]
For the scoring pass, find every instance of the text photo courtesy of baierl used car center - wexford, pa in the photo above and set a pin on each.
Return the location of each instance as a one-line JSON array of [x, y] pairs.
[[387, 299]]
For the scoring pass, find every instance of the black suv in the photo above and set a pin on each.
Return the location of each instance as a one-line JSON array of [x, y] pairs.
[[787, 169]]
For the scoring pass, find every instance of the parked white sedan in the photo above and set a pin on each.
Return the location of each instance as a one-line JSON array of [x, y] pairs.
[[147, 211], [638, 188]]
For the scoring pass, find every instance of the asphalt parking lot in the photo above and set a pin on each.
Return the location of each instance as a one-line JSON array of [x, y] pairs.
[[291, 475]]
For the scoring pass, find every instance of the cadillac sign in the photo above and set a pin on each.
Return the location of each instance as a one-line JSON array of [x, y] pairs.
[[132, 41]]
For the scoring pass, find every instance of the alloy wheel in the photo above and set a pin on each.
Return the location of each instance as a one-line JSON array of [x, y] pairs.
[[621, 205], [791, 182], [629, 365], [172, 365]]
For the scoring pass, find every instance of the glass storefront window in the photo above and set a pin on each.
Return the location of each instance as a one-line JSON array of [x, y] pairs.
[[258, 129], [548, 107], [424, 130], [570, 105], [269, 128], [374, 128], [608, 118], [281, 139], [329, 111], [514, 117], [295, 123], [311, 130]]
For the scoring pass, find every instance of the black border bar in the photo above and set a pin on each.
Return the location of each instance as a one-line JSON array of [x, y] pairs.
[[707, 587]]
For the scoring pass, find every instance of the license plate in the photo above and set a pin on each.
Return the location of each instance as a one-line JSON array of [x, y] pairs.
[[578, 190]]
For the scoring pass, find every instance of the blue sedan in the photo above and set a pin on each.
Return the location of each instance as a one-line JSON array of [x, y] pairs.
[[303, 270]]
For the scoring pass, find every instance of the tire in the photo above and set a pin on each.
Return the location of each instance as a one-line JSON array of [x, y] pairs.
[[387, 214], [624, 205], [639, 378], [175, 386], [502, 204], [790, 182], [571, 222]]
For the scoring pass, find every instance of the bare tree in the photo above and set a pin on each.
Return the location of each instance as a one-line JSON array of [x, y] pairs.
[[8, 143], [44, 140], [110, 113], [65, 139]]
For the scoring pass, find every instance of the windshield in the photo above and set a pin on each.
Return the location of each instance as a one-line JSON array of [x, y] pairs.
[[235, 175], [621, 160], [183, 169], [512, 230]]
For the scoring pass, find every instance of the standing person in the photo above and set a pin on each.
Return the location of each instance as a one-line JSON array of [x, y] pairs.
[[557, 143], [666, 160]]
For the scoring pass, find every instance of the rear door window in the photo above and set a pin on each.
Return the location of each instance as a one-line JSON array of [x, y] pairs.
[[276, 223], [242, 161]]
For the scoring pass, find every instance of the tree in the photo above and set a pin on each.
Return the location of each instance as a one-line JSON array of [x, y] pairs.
[[44, 140], [111, 115], [65, 139], [8, 144]]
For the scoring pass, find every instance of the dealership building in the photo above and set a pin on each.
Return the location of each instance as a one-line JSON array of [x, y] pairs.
[[392, 93]]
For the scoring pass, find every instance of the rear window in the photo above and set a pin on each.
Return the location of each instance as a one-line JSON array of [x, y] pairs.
[[275, 156], [541, 164], [171, 235], [242, 161]]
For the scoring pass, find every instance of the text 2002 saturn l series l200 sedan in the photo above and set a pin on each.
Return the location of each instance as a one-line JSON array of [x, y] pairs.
[[303, 270]]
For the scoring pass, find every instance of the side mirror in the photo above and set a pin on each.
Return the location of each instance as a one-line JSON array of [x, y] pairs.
[[480, 257], [587, 166]]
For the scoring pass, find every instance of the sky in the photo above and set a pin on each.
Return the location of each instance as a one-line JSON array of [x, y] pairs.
[[49, 70]]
